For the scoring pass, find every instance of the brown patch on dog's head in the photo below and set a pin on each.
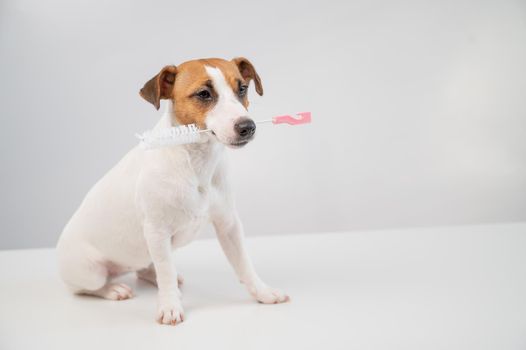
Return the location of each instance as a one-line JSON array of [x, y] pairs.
[[192, 91]]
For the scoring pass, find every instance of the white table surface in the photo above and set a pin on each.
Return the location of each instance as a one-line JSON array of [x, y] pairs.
[[441, 288]]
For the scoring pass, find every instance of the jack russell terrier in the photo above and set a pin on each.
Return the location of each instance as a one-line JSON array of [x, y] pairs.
[[154, 201]]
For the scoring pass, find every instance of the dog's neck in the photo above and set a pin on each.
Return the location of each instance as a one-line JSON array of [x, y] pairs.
[[204, 155]]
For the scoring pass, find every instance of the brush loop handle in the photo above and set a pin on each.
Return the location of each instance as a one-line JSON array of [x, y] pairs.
[[303, 118]]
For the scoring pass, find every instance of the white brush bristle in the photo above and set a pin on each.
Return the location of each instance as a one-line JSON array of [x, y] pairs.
[[177, 135]]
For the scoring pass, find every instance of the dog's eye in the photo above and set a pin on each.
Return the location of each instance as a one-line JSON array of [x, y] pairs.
[[242, 90], [204, 95]]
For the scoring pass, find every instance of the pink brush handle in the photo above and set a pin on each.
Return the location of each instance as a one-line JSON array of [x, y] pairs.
[[304, 118]]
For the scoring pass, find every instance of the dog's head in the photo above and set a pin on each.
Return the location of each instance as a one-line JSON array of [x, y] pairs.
[[211, 93]]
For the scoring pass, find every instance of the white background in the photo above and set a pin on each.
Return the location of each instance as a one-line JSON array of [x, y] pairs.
[[419, 107]]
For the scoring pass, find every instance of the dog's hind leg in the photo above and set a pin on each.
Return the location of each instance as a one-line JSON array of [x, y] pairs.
[[112, 291], [85, 275]]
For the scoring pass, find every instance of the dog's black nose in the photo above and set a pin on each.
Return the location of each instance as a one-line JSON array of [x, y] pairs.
[[245, 127]]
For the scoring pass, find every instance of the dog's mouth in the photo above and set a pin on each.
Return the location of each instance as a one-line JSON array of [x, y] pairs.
[[238, 144], [230, 142]]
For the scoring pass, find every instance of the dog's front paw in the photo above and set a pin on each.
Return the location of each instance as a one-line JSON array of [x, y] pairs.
[[268, 295], [170, 313]]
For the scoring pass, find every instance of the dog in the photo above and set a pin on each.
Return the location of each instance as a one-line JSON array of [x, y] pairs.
[[155, 201]]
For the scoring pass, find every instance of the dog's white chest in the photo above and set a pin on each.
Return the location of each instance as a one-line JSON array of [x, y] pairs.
[[193, 218], [183, 191]]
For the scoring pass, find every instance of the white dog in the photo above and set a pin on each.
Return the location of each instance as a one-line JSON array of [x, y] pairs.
[[154, 201]]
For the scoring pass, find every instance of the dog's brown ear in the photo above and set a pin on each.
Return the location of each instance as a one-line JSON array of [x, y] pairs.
[[248, 72], [160, 86]]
